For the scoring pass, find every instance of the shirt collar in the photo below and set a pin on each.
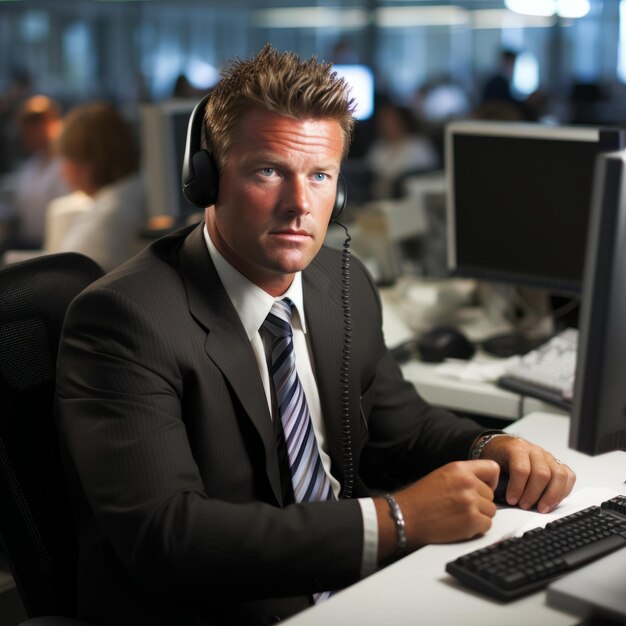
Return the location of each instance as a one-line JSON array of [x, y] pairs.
[[250, 301]]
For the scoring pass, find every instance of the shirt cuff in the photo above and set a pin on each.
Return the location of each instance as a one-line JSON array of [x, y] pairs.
[[369, 561]]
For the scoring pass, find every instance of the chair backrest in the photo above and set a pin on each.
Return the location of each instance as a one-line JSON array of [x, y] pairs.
[[36, 530]]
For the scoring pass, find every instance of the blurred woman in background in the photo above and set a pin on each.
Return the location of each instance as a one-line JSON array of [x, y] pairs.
[[100, 157], [398, 150]]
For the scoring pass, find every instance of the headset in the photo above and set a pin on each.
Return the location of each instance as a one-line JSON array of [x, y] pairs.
[[200, 184], [200, 176]]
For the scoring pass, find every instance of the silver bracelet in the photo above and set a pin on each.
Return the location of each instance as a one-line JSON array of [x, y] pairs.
[[481, 442], [398, 518]]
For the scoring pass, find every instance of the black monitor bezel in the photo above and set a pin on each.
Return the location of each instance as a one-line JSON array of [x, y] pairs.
[[542, 132], [598, 419]]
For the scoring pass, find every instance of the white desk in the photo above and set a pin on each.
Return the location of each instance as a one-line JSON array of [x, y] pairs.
[[480, 398], [456, 394], [417, 589]]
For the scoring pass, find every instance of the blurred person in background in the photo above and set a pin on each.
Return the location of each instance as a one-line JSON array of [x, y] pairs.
[[100, 157], [38, 179], [398, 150], [498, 100], [18, 88], [498, 85]]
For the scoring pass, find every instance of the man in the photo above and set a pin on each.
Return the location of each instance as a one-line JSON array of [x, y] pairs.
[[38, 179], [498, 86], [171, 394]]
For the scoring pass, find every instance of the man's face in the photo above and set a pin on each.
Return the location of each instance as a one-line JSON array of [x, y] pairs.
[[276, 194]]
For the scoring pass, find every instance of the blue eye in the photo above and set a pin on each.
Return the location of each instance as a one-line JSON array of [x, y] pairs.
[[267, 171], [320, 176]]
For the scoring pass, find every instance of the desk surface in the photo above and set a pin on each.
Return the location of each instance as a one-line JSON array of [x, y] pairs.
[[482, 398], [417, 588], [467, 395], [471, 396]]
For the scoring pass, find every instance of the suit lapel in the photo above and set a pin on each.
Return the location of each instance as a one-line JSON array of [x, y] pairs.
[[227, 344]]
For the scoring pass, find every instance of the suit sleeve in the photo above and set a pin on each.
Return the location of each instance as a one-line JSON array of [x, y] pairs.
[[119, 413], [406, 437]]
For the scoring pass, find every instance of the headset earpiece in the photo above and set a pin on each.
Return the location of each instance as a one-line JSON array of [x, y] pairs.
[[340, 199], [200, 176]]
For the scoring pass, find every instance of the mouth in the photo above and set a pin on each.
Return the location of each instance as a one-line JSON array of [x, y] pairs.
[[291, 234]]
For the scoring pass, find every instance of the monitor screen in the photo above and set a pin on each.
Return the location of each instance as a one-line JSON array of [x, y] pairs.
[[598, 422], [518, 201], [163, 136], [360, 79]]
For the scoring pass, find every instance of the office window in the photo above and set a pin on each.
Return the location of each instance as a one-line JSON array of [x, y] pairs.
[[621, 55], [584, 46], [78, 54], [526, 74], [35, 26]]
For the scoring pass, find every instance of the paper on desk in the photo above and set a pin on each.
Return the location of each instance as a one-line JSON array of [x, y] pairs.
[[514, 522], [478, 371]]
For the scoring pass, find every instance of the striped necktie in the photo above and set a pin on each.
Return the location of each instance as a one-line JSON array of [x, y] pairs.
[[309, 480]]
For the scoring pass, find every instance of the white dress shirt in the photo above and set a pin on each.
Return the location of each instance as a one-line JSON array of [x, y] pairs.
[[253, 305], [109, 232]]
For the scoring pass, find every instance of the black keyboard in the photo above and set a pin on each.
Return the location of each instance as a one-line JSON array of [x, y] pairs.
[[515, 567]]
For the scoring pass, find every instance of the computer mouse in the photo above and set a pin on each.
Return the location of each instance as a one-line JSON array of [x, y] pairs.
[[445, 342]]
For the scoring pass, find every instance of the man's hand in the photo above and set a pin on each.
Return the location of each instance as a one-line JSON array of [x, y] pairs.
[[535, 476], [452, 503]]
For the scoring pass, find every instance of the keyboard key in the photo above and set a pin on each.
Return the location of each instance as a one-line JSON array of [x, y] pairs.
[[548, 371]]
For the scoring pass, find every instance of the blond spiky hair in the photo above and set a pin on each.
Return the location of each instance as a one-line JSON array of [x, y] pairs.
[[281, 83]]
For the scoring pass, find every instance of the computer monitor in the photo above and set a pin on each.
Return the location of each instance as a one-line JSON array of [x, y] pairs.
[[163, 136], [360, 79], [518, 197], [598, 422]]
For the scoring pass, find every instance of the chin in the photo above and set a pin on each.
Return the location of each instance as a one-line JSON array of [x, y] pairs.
[[291, 268], [294, 261]]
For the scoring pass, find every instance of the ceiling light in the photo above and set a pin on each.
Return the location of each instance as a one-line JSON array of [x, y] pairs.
[[503, 19], [572, 8], [547, 8], [542, 8], [402, 17], [311, 17]]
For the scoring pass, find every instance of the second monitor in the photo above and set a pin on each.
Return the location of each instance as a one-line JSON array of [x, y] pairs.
[[518, 201]]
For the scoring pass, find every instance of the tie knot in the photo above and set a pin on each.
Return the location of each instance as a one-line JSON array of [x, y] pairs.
[[278, 320]]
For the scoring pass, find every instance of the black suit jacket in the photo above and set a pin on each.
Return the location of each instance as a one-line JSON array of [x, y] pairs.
[[170, 448]]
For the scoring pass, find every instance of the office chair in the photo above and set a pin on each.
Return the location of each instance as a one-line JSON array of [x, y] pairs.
[[36, 530]]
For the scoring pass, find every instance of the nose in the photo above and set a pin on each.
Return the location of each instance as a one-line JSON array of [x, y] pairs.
[[297, 195]]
